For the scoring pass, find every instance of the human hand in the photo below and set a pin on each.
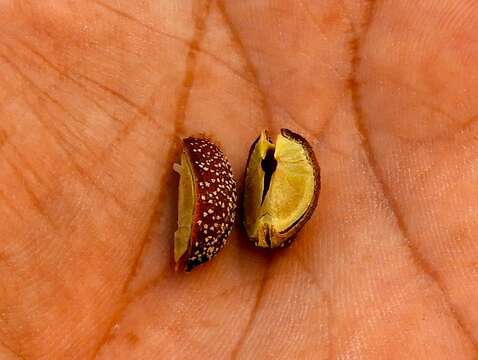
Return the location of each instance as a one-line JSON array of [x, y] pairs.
[[95, 97]]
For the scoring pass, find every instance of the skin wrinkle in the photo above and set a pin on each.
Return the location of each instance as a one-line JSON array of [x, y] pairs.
[[303, 264], [355, 88], [179, 39], [139, 108], [23, 162], [266, 100], [331, 351], [3, 138], [119, 315], [183, 99], [259, 299], [153, 283], [129, 126], [138, 21], [64, 73], [43, 93], [254, 311], [469, 122], [130, 299], [401, 83], [40, 90], [158, 214], [297, 73], [250, 68], [163, 276], [445, 135], [50, 190], [11, 347], [122, 134], [11, 351], [344, 13], [84, 176], [199, 49], [34, 200], [316, 134], [118, 95], [313, 19], [11, 205], [442, 137], [332, 149]]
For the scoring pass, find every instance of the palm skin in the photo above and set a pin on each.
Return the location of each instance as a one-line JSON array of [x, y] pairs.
[[95, 98]]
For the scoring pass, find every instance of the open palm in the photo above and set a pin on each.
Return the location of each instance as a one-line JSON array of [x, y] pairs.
[[94, 100]]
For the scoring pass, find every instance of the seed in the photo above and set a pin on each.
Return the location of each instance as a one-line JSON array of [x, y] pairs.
[[282, 186], [197, 240]]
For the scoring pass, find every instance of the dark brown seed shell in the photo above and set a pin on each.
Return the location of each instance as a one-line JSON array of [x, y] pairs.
[[215, 200]]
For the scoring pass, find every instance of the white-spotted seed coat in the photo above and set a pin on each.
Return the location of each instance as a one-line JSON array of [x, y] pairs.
[[215, 201]]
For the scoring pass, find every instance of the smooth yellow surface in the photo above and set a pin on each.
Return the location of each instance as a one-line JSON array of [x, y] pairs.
[[290, 193], [182, 235], [255, 184]]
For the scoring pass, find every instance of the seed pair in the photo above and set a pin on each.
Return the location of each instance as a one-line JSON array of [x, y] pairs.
[[282, 185]]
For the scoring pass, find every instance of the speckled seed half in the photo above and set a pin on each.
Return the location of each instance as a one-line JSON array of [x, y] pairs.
[[215, 201]]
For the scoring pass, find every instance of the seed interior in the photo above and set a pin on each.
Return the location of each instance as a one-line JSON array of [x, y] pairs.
[[292, 184], [182, 235], [279, 188]]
